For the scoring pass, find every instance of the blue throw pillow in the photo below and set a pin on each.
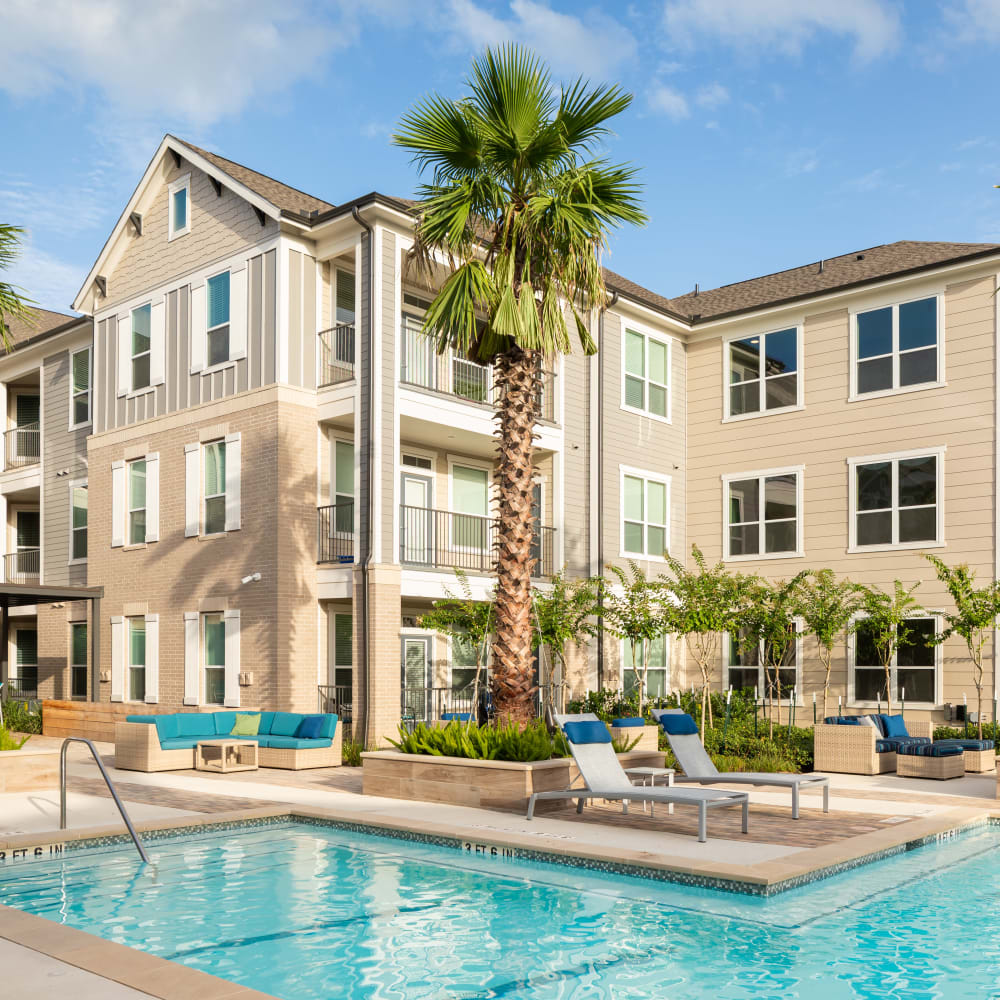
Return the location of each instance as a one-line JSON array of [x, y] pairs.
[[678, 725], [895, 727], [849, 720], [310, 728], [590, 731], [632, 722]]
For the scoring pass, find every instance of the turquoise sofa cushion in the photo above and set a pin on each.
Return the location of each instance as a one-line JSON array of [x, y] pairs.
[[285, 723], [149, 719], [179, 743], [166, 727], [195, 724], [224, 722], [266, 718], [294, 743]]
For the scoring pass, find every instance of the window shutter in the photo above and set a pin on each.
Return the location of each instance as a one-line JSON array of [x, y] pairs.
[[192, 490], [117, 658], [232, 695], [191, 685], [117, 503], [153, 497], [238, 312], [124, 342], [152, 659], [232, 482], [157, 342], [199, 328]]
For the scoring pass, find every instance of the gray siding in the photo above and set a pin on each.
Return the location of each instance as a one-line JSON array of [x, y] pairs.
[[363, 416], [574, 374], [388, 375], [303, 323]]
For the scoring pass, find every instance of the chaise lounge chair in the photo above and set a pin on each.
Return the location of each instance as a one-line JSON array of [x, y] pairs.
[[698, 767], [590, 742]]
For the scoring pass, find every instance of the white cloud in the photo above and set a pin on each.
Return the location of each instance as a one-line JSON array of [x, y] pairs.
[[974, 21], [786, 25], [801, 161], [712, 95], [375, 130], [667, 101], [590, 44], [48, 281]]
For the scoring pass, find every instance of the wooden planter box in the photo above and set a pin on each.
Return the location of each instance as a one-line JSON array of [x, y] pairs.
[[648, 736], [486, 784], [28, 770]]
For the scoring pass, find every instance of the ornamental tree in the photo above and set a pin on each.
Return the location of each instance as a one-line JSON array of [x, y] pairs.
[[885, 623]]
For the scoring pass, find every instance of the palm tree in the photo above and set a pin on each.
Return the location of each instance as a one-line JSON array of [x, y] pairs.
[[13, 304], [520, 206]]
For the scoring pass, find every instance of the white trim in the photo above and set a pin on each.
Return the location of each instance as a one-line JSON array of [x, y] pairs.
[[72, 485], [800, 387], [667, 341], [760, 475], [895, 457], [234, 481], [646, 476], [181, 183], [192, 658], [231, 624], [118, 657], [119, 504], [152, 659], [90, 389], [761, 677], [192, 490], [938, 668], [375, 374]]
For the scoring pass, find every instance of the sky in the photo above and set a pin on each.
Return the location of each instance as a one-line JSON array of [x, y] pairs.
[[769, 133]]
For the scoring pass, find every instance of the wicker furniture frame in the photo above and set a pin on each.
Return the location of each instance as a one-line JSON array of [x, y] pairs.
[[939, 768], [225, 755], [851, 749], [980, 761]]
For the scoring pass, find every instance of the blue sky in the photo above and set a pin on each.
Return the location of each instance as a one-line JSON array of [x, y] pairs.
[[770, 133]]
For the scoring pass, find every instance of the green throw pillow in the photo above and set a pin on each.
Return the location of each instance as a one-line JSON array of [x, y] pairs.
[[246, 725]]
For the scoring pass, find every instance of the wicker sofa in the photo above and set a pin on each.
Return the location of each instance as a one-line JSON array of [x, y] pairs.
[[167, 742], [854, 749]]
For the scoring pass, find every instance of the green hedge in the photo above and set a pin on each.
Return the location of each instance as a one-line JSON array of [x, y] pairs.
[[19, 717], [991, 731]]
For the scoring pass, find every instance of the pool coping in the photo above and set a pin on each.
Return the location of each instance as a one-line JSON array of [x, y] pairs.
[[168, 980]]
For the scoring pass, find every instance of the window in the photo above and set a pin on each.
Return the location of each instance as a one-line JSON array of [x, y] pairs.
[[215, 488], [646, 384], [345, 297], [763, 514], [78, 529], [79, 367], [214, 658], [417, 461], [343, 486], [763, 373], [218, 319], [343, 652], [26, 643], [895, 500], [744, 671], [896, 347], [645, 504], [137, 502], [912, 673], [470, 503], [141, 323], [136, 659], [78, 659], [658, 675], [463, 663], [179, 207]]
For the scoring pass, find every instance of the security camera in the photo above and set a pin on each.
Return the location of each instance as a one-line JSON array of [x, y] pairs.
[[252, 578]]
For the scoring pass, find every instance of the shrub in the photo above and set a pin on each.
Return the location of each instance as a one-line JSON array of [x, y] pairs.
[[8, 742], [351, 753], [991, 731], [19, 717], [458, 739]]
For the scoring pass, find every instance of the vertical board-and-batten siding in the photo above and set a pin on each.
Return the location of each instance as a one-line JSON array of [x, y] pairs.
[[182, 388], [65, 461], [303, 323], [389, 373], [362, 432]]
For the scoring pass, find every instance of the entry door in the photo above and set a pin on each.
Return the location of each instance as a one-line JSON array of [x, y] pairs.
[[416, 535], [416, 670], [27, 413], [28, 542]]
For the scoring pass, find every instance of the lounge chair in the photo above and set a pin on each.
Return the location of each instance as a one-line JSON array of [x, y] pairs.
[[602, 774], [699, 769]]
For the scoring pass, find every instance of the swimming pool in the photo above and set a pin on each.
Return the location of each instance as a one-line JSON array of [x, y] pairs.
[[309, 912]]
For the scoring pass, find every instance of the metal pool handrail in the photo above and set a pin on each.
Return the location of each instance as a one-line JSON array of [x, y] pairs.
[[107, 781]]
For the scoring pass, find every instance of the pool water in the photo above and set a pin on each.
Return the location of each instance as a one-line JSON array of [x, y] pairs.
[[310, 913]]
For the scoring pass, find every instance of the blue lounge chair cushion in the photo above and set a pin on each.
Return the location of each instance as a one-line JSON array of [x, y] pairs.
[[293, 743], [461, 716], [589, 731], [149, 719], [166, 727], [895, 727], [967, 744], [842, 720], [631, 722], [310, 727], [678, 725], [928, 750], [195, 724], [285, 723]]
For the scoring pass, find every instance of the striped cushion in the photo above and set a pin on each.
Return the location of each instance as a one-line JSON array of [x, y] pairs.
[[967, 744], [894, 745], [928, 750]]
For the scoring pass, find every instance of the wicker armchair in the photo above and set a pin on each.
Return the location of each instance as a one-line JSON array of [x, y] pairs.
[[851, 749]]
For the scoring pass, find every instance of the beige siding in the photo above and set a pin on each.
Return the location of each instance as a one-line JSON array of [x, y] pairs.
[[390, 309], [576, 457]]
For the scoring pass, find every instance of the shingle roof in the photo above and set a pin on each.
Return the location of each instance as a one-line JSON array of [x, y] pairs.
[[42, 322], [286, 198], [845, 271]]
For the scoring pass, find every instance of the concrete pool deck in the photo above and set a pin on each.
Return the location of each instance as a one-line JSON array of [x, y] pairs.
[[869, 816]]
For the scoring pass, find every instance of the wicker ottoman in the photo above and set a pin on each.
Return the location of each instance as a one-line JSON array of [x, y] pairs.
[[930, 761], [980, 755]]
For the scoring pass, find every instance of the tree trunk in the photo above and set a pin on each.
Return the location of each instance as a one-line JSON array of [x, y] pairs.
[[888, 690], [827, 659], [516, 374]]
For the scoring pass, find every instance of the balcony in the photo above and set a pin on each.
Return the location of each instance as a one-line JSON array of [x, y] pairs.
[[23, 566], [431, 704], [336, 355], [335, 533], [442, 539], [421, 367], [22, 688], [336, 699], [22, 446]]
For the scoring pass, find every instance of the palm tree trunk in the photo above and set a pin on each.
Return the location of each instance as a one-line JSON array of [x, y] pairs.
[[516, 373]]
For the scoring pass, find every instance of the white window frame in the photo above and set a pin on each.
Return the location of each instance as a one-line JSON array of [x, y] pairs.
[[132, 390], [938, 669], [128, 661], [204, 488], [451, 664], [334, 493], [895, 457], [14, 668], [129, 509], [646, 476], [800, 384], [760, 475], [185, 183], [230, 360], [75, 484], [332, 640], [73, 395], [624, 673], [203, 656], [854, 396], [464, 463], [74, 666], [668, 342], [761, 676]]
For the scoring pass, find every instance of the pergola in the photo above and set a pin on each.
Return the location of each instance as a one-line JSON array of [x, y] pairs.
[[18, 595]]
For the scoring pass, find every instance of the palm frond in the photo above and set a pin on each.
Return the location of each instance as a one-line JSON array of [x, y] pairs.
[[444, 136], [451, 318], [583, 112]]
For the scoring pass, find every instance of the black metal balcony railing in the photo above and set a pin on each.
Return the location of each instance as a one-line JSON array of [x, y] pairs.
[[23, 566], [335, 530], [421, 366], [336, 699], [23, 688], [336, 354], [23, 445], [431, 704], [443, 539]]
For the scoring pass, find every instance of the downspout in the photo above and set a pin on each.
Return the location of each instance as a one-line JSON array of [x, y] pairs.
[[366, 535], [600, 482]]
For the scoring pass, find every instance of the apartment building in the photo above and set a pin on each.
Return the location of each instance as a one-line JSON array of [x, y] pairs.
[[282, 475]]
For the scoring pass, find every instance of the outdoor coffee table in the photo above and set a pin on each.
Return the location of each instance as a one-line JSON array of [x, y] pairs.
[[649, 776], [225, 755]]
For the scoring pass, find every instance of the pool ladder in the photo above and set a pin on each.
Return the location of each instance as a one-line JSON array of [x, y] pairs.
[[107, 781]]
